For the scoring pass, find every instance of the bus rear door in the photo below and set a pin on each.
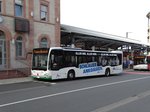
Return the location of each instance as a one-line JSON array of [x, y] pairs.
[[148, 62]]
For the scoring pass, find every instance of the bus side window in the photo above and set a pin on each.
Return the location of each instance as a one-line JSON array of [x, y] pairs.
[[73, 60], [100, 60], [69, 59], [79, 59], [109, 60], [113, 61], [68, 62], [104, 61], [53, 61], [56, 61], [89, 59], [119, 59]]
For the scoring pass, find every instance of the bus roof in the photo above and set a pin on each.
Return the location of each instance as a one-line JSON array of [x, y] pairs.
[[79, 49]]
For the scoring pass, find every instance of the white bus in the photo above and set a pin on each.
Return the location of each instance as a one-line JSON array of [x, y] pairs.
[[61, 63]]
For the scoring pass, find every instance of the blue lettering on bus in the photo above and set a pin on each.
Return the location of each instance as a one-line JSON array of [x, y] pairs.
[[90, 67], [93, 69], [87, 65]]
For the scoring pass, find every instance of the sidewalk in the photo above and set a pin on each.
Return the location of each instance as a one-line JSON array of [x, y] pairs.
[[128, 70], [132, 70], [15, 80]]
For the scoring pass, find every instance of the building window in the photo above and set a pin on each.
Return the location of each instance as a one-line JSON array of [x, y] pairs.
[[19, 46], [43, 43], [18, 7], [44, 12], [0, 6], [2, 49]]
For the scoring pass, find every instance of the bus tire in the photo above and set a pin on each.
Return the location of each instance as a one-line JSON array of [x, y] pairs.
[[71, 75], [107, 72]]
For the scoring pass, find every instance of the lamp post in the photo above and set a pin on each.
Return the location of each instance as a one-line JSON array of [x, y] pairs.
[[127, 34], [129, 50], [148, 16]]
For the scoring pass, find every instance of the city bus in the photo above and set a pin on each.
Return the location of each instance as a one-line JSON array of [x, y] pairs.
[[70, 63], [143, 66]]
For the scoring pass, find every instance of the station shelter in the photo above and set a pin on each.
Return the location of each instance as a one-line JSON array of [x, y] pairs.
[[134, 51]]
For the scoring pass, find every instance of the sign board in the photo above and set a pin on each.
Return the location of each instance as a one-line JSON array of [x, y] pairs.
[[40, 51], [21, 25]]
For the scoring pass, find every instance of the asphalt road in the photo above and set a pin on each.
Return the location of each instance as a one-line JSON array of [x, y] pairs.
[[127, 92]]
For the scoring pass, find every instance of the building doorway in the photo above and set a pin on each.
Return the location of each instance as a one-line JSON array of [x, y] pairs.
[[2, 50]]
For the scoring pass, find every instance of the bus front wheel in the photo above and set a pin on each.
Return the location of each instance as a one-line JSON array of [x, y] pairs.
[[107, 72], [71, 75]]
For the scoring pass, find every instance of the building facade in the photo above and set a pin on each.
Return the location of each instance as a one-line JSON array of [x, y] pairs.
[[24, 25]]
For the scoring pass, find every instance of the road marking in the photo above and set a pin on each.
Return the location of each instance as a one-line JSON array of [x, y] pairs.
[[122, 102], [71, 91]]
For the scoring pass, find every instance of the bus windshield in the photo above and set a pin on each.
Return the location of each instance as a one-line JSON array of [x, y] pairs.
[[39, 62], [56, 60]]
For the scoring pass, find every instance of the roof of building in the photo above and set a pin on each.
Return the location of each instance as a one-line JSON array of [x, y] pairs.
[[85, 33]]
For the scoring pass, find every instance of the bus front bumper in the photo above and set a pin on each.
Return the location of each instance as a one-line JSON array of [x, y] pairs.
[[41, 77], [44, 76]]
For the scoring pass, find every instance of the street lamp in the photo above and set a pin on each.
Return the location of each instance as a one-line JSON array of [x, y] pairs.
[[148, 16], [128, 46], [127, 34]]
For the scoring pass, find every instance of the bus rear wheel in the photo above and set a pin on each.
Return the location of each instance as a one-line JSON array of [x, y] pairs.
[[107, 72], [71, 75]]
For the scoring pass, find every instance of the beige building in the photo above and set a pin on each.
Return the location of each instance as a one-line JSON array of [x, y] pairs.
[[24, 25]]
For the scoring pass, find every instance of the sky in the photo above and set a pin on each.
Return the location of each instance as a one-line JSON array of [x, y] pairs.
[[114, 17]]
